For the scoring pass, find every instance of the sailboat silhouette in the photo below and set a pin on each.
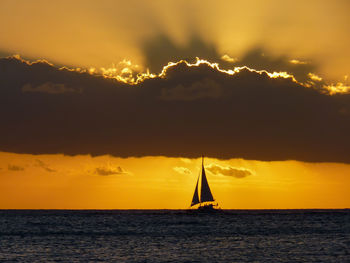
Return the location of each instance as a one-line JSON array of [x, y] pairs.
[[204, 197]]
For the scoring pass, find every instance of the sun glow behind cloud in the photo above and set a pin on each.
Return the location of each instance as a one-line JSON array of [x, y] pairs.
[[95, 34], [129, 73], [338, 88], [133, 74]]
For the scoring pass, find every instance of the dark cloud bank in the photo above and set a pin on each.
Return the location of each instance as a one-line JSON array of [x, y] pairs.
[[190, 112]]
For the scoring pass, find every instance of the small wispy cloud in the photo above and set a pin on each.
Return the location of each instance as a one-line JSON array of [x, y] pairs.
[[182, 170], [227, 58], [106, 171], [228, 171], [314, 77], [15, 168], [297, 62], [43, 165]]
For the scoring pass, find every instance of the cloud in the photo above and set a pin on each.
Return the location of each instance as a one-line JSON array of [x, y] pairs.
[[314, 77], [185, 160], [260, 59], [206, 88], [227, 58], [43, 165], [15, 168], [182, 170], [339, 87], [106, 171], [228, 171], [48, 87], [247, 114], [161, 49], [297, 62]]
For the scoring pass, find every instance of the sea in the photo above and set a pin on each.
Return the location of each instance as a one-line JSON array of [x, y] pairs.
[[174, 236]]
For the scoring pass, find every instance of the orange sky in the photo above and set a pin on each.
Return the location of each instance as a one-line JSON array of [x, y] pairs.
[[113, 38], [63, 182], [99, 33]]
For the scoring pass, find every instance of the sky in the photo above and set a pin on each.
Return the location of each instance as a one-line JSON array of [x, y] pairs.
[[111, 104]]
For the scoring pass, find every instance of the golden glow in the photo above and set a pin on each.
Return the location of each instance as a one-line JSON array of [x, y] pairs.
[[337, 88], [314, 77], [85, 182], [227, 58], [233, 71], [87, 36], [125, 70], [98, 33], [129, 73], [119, 74], [297, 62]]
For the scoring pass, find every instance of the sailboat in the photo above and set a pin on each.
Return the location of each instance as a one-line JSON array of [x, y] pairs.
[[203, 200]]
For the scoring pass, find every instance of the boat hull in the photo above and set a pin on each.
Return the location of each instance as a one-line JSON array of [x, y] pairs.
[[205, 209]]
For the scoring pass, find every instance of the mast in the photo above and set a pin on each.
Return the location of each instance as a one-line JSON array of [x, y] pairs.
[[206, 195]]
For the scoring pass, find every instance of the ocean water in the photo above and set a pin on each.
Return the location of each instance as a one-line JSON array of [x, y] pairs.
[[174, 236]]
